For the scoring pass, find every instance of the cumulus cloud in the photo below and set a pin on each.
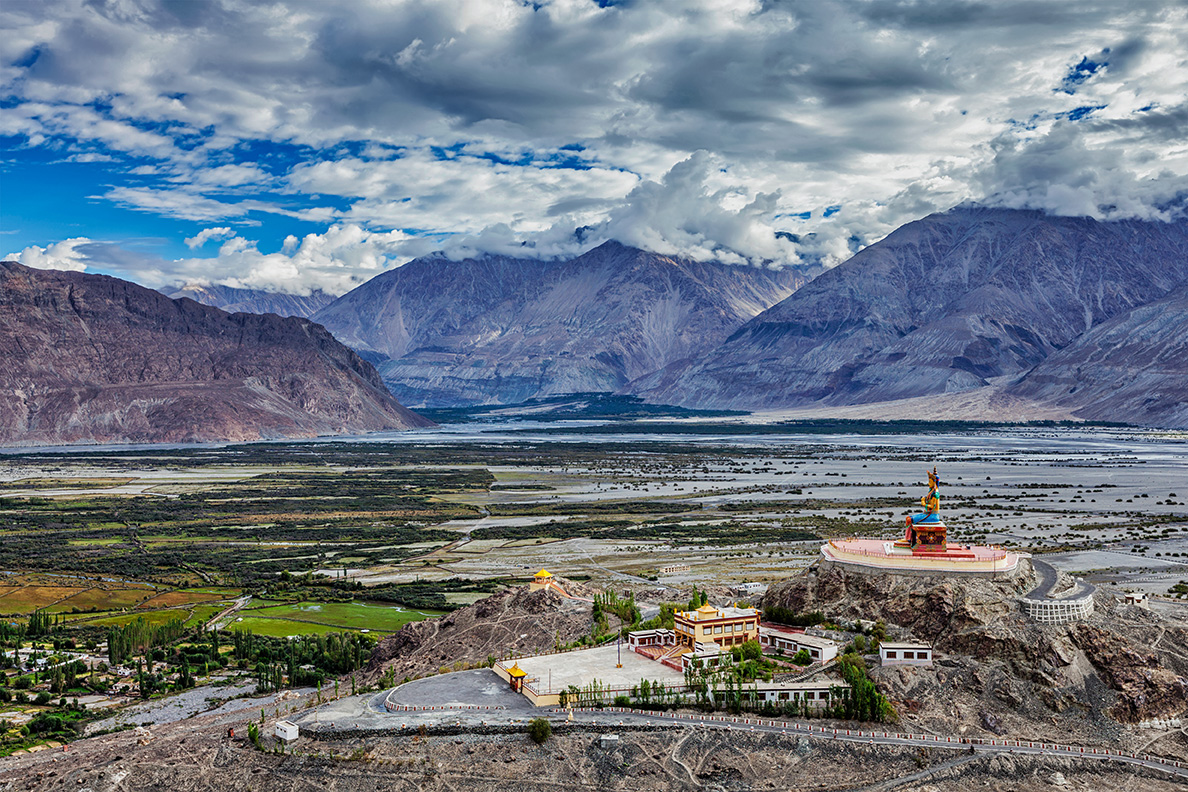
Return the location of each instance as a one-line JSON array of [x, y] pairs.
[[747, 131], [207, 234], [64, 255]]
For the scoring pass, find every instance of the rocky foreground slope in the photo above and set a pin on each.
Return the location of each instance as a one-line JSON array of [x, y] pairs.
[[196, 756], [950, 303], [89, 358], [497, 330], [1001, 672]]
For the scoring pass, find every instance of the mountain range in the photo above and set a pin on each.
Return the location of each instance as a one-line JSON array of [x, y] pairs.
[[90, 358], [501, 330], [992, 309], [955, 302], [236, 300]]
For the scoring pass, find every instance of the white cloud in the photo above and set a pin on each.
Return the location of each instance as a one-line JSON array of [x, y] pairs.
[[207, 234], [64, 255], [690, 126]]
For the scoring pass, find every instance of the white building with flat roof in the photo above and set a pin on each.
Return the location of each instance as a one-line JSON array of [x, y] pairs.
[[819, 693], [892, 654], [820, 650]]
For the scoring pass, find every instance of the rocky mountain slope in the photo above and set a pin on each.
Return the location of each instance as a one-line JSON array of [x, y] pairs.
[[503, 330], [527, 621], [944, 304], [234, 300], [1000, 671], [1133, 365], [89, 358]]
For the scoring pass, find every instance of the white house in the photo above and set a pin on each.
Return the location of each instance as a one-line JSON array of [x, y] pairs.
[[919, 654], [820, 650], [814, 694]]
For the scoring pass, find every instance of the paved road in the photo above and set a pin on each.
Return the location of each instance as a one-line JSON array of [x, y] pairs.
[[1048, 580], [369, 712]]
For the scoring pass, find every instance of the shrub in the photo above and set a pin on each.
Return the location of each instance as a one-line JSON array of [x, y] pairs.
[[539, 729]]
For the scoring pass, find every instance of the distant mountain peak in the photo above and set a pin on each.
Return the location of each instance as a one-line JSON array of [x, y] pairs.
[[503, 330]]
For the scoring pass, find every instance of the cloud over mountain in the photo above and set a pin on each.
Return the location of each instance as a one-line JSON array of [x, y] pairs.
[[734, 131]]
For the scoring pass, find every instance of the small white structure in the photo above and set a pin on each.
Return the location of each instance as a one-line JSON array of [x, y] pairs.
[[917, 654], [608, 741], [820, 650], [1139, 600], [704, 655], [747, 589], [659, 637], [286, 730]]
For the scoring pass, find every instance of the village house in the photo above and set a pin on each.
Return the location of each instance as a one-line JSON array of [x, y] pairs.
[[918, 654]]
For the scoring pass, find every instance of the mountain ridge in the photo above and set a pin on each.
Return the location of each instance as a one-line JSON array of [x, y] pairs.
[[98, 359], [498, 329], [233, 299], [944, 304]]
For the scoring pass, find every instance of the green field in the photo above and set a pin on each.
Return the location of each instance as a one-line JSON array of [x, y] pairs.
[[200, 614], [376, 617], [152, 617], [281, 628]]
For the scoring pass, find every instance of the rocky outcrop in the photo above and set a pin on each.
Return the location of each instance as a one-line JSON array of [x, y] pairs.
[[1002, 666], [1146, 690], [89, 358], [235, 300], [945, 304], [528, 622], [502, 330]]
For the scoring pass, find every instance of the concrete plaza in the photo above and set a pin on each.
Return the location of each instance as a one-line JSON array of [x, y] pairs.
[[554, 673]]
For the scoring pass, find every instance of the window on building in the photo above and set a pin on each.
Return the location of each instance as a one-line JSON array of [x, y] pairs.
[[784, 695], [890, 655], [718, 630], [810, 695], [909, 655]]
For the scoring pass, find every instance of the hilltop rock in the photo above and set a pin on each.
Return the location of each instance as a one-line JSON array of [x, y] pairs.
[[997, 666], [90, 358], [499, 330], [529, 622]]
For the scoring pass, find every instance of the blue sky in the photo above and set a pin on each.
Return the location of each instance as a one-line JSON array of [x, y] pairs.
[[305, 144]]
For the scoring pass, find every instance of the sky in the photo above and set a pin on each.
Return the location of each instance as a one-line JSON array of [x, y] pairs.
[[307, 144]]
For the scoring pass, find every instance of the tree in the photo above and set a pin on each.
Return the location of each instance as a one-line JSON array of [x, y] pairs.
[[539, 729]]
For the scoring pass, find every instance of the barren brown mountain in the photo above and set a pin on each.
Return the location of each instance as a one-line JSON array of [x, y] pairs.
[[90, 358]]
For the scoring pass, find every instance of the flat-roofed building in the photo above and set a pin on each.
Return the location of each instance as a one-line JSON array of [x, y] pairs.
[[820, 693], [891, 654], [660, 637], [724, 626], [820, 650]]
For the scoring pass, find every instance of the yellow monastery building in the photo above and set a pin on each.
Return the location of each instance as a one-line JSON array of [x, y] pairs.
[[724, 626]]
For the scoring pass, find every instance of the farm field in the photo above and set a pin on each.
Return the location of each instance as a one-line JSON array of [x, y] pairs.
[[102, 599], [375, 617], [281, 628]]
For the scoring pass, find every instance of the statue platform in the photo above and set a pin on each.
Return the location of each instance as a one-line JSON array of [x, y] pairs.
[[924, 548], [952, 558]]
